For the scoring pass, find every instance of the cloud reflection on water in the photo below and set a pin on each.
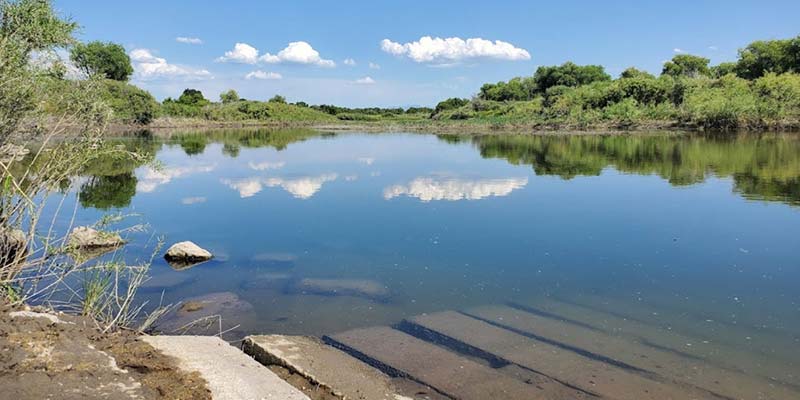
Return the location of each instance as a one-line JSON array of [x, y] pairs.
[[453, 189]]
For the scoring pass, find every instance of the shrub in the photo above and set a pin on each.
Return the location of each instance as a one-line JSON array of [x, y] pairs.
[[129, 103]]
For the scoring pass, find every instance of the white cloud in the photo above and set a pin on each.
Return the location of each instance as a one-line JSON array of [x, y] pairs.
[[148, 66], [452, 50], [365, 81], [263, 75], [246, 187], [188, 40], [301, 188], [298, 53], [427, 189], [193, 200], [349, 62], [266, 165], [677, 50], [372, 65], [713, 48], [152, 178], [242, 53]]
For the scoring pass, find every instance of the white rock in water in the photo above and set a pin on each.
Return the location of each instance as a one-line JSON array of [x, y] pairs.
[[84, 237], [187, 251]]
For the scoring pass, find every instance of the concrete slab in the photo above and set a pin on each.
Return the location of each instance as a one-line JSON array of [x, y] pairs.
[[590, 375], [323, 365], [455, 376], [668, 366], [709, 351], [230, 374]]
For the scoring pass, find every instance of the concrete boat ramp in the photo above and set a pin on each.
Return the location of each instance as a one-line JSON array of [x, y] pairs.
[[507, 351]]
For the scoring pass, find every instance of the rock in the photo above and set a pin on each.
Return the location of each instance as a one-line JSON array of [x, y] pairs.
[[201, 315], [344, 287], [85, 238], [13, 246], [186, 254]]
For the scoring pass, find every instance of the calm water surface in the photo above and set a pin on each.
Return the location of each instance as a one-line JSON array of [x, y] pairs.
[[698, 235]]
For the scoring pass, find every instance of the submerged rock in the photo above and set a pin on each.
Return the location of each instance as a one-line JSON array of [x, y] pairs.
[[86, 238], [186, 254], [344, 287], [202, 315]]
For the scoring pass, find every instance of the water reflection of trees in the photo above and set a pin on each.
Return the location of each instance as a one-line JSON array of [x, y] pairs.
[[762, 166], [233, 140]]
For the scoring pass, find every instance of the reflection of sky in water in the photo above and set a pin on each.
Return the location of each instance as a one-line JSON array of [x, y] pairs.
[[461, 230]]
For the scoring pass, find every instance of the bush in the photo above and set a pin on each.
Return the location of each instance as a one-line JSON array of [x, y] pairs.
[[450, 104], [727, 104], [129, 103]]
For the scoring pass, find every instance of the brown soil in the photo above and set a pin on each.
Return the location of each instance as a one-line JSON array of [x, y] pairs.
[[57, 356]]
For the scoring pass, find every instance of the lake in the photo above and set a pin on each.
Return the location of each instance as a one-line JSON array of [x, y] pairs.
[[316, 233]]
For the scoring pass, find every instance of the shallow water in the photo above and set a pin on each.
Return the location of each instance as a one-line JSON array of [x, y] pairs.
[[697, 235]]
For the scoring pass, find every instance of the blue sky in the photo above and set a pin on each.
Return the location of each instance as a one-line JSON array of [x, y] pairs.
[[408, 70]]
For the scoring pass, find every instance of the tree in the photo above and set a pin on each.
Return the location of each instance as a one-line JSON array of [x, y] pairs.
[[26, 26], [107, 59], [568, 74], [450, 104], [193, 97], [763, 56], [130, 103], [718, 71], [686, 65], [632, 72], [278, 99], [229, 97]]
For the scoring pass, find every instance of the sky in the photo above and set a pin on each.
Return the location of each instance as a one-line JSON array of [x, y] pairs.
[[409, 53]]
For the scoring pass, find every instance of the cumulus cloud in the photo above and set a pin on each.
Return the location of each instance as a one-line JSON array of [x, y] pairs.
[[188, 40], [148, 66], [152, 178], [298, 53], [452, 50], [263, 75], [349, 62], [242, 53], [365, 81], [452, 189], [677, 50], [372, 65], [301, 188]]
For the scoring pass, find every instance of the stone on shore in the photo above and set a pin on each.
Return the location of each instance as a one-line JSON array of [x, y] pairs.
[[186, 254], [230, 374]]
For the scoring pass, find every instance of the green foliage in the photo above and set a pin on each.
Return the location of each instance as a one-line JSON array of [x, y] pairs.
[[129, 103], [450, 104], [726, 104], [686, 65], [632, 72], [26, 26], [278, 99], [568, 74], [726, 68], [229, 97], [106, 192], [106, 59], [192, 97], [763, 56]]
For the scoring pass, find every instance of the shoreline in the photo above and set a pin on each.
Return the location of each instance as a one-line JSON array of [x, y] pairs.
[[439, 127]]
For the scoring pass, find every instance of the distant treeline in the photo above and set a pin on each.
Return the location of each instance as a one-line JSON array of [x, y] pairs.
[[760, 90]]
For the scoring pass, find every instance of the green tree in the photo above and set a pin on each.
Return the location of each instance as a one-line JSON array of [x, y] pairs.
[[107, 59], [26, 26], [718, 71], [193, 97], [568, 74], [130, 103], [632, 72], [686, 65], [229, 97], [450, 104], [278, 99], [763, 56]]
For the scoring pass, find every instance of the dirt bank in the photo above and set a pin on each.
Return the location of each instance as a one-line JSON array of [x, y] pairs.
[[56, 356]]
